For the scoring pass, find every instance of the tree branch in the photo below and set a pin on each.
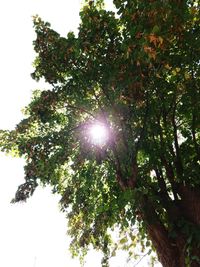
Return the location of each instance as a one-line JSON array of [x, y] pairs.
[[178, 163]]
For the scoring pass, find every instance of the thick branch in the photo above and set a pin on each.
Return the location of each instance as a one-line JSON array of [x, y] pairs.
[[178, 162], [196, 146]]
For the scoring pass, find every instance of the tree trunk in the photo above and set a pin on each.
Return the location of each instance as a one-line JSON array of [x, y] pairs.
[[169, 254], [173, 252]]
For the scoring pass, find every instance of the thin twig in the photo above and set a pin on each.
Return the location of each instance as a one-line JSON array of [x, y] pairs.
[[141, 259], [80, 109]]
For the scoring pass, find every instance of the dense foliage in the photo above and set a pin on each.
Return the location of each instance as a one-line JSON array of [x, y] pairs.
[[137, 72]]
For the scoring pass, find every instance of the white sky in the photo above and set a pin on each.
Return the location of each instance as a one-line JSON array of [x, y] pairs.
[[31, 234]]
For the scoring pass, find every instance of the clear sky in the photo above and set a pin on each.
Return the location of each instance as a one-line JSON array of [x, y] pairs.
[[31, 234]]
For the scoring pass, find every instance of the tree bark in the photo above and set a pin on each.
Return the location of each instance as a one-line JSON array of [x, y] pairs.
[[173, 251], [169, 254], [190, 203]]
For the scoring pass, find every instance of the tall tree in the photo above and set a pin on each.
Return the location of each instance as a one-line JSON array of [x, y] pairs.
[[117, 133]]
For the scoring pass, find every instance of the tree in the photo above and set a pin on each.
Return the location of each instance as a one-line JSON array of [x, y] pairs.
[[137, 74]]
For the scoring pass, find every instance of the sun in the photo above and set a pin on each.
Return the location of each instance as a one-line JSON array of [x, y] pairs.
[[98, 134]]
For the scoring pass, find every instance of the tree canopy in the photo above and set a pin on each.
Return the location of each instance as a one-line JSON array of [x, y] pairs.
[[136, 72]]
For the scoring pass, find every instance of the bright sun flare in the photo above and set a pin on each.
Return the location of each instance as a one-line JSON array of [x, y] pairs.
[[98, 134]]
